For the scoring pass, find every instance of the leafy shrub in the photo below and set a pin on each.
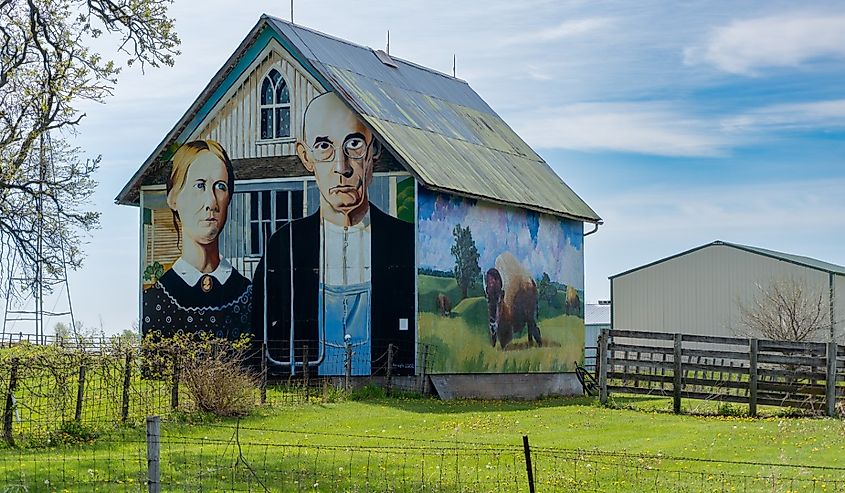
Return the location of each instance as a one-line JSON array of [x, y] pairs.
[[728, 409], [73, 432], [213, 370]]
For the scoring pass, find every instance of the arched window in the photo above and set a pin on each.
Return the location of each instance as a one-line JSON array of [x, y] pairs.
[[275, 106]]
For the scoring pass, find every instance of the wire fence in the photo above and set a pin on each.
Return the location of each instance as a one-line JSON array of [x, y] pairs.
[[52, 389], [233, 458]]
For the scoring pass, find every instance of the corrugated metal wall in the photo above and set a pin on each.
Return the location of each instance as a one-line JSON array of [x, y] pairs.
[[700, 292]]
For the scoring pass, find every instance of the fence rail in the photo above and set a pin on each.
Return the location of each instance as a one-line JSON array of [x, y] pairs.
[[740, 370]]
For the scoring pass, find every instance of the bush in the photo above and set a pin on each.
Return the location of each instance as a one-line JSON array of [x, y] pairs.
[[214, 371], [73, 432]]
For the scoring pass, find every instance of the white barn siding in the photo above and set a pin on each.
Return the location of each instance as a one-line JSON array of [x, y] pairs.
[[839, 306], [699, 292], [236, 121]]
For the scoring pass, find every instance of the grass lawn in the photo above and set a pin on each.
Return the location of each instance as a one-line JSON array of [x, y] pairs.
[[417, 444]]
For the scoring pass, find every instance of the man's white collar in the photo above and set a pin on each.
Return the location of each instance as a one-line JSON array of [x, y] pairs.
[[192, 276], [361, 225]]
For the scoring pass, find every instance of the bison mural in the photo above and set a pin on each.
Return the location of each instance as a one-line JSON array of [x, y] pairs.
[[511, 301]]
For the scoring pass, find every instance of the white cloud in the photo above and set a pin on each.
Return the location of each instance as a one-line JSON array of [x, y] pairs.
[[745, 47], [566, 29], [812, 115], [645, 128], [797, 216]]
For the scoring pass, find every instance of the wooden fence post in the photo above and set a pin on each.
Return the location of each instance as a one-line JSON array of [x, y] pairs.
[[830, 387], [677, 382], [80, 393], [9, 410], [127, 379], [153, 454], [603, 361], [752, 377]]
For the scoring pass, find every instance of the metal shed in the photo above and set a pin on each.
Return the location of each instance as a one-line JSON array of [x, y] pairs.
[[700, 291]]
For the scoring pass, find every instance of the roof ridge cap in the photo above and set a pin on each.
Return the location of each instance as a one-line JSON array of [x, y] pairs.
[[370, 48]]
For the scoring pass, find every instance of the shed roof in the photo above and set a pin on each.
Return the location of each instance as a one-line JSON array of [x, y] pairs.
[[435, 125], [784, 257], [597, 314]]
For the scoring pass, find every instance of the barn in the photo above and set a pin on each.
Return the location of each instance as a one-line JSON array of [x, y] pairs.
[[324, 196], [703, 291]]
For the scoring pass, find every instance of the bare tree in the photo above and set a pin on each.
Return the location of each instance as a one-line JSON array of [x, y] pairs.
[[786, 310], [47, 67]]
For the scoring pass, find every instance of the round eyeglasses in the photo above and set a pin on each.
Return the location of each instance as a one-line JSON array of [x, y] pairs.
[[353, 148]]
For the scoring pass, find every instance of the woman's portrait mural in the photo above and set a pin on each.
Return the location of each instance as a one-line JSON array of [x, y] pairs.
[[200, 290], [500, 289]]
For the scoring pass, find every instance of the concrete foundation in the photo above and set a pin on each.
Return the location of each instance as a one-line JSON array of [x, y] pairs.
[[520, 386]]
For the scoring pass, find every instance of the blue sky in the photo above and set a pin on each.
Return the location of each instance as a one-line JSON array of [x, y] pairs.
[[679, 123]]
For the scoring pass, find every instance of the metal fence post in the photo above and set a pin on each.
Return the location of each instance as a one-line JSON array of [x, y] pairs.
[[677, 382], [348, 363], [423, 368], [752, 377], [305, 372], [80, 393], [602, 362], [153, 454], [127, 379], [263, 382], [528, 467], [830, 387], [389, 367], [174, 385], [9, 410]]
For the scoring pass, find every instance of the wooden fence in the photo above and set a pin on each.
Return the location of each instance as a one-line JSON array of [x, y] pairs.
[[727, 369]]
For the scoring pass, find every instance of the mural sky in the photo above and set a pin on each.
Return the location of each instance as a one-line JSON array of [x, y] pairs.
[[543, 243]]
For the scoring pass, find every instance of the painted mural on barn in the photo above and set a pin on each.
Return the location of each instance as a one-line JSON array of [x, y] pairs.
[[314, 266], [500, 289]]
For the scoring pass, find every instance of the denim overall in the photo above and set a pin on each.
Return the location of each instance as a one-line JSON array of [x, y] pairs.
[[346, 310]]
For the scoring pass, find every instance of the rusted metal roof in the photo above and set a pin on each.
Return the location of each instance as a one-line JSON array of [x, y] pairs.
[[438, 126], [434, 124]]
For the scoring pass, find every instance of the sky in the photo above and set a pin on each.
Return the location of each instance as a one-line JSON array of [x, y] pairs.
[[679, 123]]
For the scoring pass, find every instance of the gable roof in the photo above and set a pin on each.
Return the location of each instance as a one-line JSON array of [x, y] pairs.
[[785, 257], [435, 125]]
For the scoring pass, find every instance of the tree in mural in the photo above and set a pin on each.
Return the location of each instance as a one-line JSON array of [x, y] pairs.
[[47, 67], [467, 271], [546, 290], [786, 310]]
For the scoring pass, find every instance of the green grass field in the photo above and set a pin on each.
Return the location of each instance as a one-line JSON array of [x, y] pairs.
[[462, 343], [391, 444]]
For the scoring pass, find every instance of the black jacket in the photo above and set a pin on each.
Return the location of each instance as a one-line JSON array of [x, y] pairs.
[[393, 293]]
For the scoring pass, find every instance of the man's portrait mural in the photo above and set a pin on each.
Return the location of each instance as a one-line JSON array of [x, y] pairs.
[[201, 290], [343, 276], [500, 289]]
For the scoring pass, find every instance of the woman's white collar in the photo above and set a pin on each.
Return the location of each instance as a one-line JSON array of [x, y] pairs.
[[191, 275]]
